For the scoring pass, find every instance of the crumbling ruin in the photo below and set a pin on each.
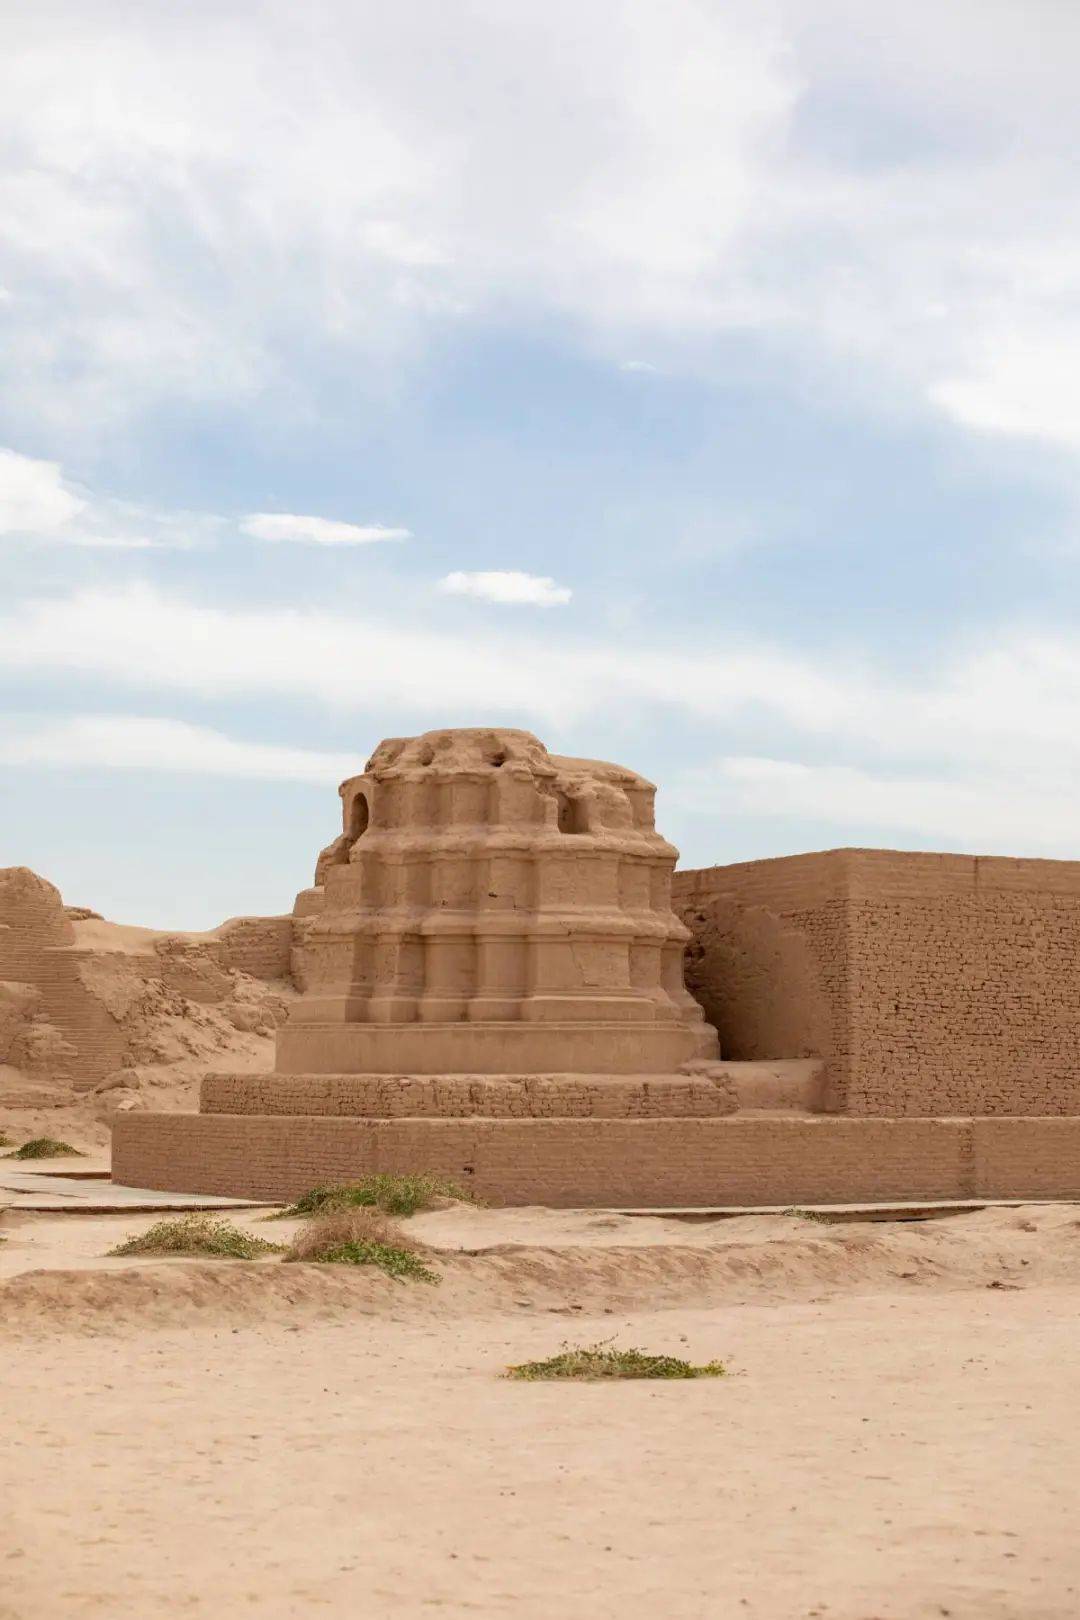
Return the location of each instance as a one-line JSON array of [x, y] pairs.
[[98, 1019], [491, 988]]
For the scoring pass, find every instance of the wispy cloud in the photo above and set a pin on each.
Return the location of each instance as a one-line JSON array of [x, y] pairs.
[[983, 750], [139, 743], [507, 586], [317, 531], [991, 811], [1015, 692], [37, 503], [681, 182], [33, 496]]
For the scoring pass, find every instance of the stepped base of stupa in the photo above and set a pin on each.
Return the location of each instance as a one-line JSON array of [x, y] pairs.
[[605, 1161], [483, 1096], [491, 1048]]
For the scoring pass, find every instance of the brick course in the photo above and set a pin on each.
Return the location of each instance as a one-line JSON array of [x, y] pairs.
[[583, 1162], [396, 1096]]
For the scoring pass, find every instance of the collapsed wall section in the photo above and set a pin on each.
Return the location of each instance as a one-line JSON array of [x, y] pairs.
[[258, 946]]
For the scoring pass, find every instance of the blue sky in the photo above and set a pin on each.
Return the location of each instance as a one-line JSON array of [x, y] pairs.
[[694, 384]]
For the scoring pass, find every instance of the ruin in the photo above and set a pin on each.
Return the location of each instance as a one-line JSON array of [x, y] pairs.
[[492, 989]]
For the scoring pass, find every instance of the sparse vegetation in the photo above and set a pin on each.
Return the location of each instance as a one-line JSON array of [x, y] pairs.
[[360, 1236], [44, 1147], [606, 1360], [393, 1195], [5, 1141], [807, 1215], [198, 1236]]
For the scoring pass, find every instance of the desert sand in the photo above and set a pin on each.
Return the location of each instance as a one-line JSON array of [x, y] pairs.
[[895, 1440]]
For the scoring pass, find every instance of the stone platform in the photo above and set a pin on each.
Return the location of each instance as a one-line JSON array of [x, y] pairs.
[[745, 1159]]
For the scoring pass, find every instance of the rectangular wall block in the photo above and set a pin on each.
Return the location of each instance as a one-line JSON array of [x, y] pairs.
[[598, 1163], [930, 984]]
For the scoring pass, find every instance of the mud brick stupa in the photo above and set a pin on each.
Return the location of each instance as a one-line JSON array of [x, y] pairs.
[[492, 990], [492, 977]]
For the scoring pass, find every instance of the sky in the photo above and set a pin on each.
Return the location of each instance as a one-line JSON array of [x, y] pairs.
[[694, 384]]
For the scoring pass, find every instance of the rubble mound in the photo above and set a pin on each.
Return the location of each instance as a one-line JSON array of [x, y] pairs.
[[99, 1017]]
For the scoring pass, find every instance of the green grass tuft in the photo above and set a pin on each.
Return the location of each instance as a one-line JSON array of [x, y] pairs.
[[604, 1360], [393, 1195], [394, 1261], [807, 1214], [197, 1235], [45, 1147]]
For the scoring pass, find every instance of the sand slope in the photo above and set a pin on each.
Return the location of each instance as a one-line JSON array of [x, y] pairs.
[[508, 1260], [897, 1440]]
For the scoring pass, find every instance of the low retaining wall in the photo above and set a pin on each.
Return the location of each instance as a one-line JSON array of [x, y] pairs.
[[470, 1096], [602, 1162]]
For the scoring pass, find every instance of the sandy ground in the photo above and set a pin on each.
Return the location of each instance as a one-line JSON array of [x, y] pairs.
[[898, 1438]]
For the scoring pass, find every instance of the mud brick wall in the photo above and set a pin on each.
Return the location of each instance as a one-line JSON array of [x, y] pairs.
[[770, 959], [930, 984], [965, 984], [585, 1163], [261, 946], [396, 1096], [36, 947]]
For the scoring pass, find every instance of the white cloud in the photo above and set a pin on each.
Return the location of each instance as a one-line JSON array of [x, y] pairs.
[[134, 742], [1025, 383], [636, 365], [316, 531], [1018, 693], [37, 504], [390, 662], [144, 637], [993, 814], [984, 750], [33, 497], [507, 586]]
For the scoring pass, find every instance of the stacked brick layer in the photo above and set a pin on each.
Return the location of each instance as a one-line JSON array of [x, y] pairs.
[[504, 1096], [602, 1162]]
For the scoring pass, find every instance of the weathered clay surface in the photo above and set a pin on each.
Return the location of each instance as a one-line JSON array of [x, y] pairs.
[[480, 881], [83, 1000]]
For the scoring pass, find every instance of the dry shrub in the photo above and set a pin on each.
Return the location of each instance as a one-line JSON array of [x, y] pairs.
[[197, 1235], [45, 1147], [393, 1194], [605, 1360], [359, 1235]]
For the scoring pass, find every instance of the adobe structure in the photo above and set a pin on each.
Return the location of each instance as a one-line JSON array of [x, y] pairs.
[[492, 990]]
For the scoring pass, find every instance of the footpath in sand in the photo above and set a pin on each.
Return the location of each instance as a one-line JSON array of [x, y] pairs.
[[897, 1438]]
